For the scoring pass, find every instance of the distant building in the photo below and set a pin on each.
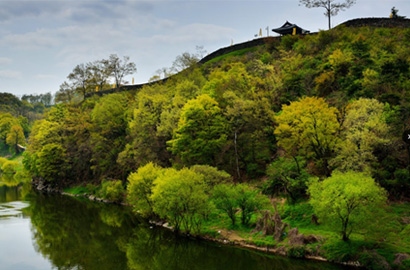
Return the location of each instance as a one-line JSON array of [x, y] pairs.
[[290, 29]]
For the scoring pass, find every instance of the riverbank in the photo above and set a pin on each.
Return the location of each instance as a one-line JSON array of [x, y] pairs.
[[225, 236], [301, 238]]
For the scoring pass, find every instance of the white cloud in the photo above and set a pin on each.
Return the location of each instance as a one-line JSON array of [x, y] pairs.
[[10, 74], [5, 61], [44, 76]]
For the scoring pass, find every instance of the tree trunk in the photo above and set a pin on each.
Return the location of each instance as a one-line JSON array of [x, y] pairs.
[[236, 155]]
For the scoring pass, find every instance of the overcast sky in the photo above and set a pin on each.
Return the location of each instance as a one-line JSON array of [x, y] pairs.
[[42, 41]]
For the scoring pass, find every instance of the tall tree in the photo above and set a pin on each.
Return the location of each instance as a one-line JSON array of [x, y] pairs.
[[364, 131], [100, 73], [332, 7], [347, 201], [80, 77], [66, 93], [201, 132], [309, 127], [120, 68], [15, 137]]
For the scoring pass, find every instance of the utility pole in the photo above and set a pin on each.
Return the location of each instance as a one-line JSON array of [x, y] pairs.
[[267, 30]]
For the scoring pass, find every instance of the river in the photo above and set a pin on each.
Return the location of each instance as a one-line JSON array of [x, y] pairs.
[[40, 231]]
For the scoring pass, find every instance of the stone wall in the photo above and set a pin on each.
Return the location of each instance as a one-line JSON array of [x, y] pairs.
[[237, 47]]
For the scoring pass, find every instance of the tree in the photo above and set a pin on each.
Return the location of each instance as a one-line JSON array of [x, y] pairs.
[[66, 93], [52, 163], [364, 131], [395, 14], [80, 78], [225, 197], [308, 127], [120, 68], [15, 137], [107, 138], [201, 132], [331, 6], [249, 201], [100, 73], [287, 176], [212, 175], [347, 201], [184, 61], [140, 186], [146, 144], [180, 197]]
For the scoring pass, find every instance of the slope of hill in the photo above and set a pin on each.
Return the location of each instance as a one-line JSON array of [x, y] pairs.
[[278, 114]]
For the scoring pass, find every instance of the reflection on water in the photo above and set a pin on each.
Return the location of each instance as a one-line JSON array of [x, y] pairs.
[[77, 234]]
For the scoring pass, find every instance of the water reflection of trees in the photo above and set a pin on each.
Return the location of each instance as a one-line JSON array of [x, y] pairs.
[[75, 234], [10, 192]]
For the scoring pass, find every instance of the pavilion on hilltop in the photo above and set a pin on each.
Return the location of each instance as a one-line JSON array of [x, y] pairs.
[[290, 29]]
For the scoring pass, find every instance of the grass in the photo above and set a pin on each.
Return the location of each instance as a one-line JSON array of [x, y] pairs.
[[78, 190], [370, 252]]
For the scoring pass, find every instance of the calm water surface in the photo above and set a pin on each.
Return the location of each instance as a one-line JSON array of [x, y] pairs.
[[40, 231]]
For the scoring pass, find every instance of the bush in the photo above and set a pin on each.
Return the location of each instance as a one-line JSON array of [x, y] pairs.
[[212, 175], [9, 167], [372, 260], [2, 161], [296, 252], [112, 190], [179, 196], [140, 186]]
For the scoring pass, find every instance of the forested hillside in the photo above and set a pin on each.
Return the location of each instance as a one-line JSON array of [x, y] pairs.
[[225, 112], [294, 116]]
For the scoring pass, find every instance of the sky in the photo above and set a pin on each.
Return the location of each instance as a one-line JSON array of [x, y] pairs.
[[42, 41]]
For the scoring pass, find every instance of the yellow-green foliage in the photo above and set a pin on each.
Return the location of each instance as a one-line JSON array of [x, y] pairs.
[[140, 186], [180, 197], [347, 201], [112, 190], [9, 167], [308, 126]]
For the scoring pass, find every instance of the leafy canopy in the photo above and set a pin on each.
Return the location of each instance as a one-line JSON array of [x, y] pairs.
[[347, 201], [309, 128]]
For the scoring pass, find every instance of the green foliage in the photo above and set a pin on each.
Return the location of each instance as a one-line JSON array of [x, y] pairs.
[[111, 190], [249, 200], [109, 117], [296, 252], [308, 126], [342, 251], [140, 185], [52, 163], [347, 201], [364, 130], [147, 143], [201, 132], [225, 197], [180, 197], [15, 137], [287, 176], [2, 161], [9, 167], [212, 175], [298, 214]]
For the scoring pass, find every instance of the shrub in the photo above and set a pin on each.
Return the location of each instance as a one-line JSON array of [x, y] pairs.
[[9, 167], [296, 252], [179, 196], [212, 175], [112, 190], [140, 188]]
